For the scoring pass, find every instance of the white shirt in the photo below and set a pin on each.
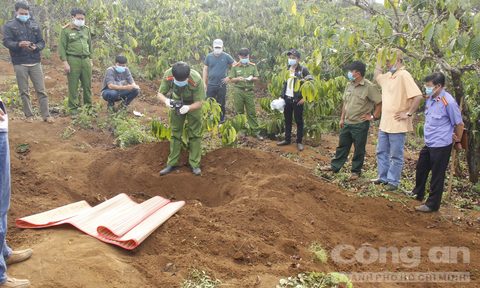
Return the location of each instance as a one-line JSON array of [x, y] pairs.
[[4, 123], [290, 85]]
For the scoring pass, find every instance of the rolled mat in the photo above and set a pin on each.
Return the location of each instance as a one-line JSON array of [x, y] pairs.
[[119, 220]]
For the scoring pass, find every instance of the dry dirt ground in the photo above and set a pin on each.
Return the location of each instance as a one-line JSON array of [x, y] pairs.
[[249, 220]]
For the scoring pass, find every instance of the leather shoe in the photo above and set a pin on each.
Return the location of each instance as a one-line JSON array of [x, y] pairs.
[[283, 143], [15, 283], [167, 170], [423, 208], [300, 147], [377, 181], [326, 168], [19, 256], [354, 176], [197, 171], [414, 196], [391, 188]]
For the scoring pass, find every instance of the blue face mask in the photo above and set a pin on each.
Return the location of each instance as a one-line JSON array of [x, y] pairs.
[[350, 76], [120, 69], [245, 61], [180, 83], [429, 91], [292, 62], [393, 69], [23, 18]]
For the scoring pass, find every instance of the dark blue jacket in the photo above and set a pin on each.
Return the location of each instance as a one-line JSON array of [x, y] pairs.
[[15, 31]]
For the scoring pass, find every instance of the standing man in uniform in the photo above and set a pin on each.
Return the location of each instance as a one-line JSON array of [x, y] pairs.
[[215, 74], [7, 256], [23, 38], [186, 93], [75, 50], [443, 128], [361, 104], [400, 99], [242, 75]]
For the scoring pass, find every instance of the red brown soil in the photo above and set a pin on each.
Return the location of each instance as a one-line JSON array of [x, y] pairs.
[[249, 220]]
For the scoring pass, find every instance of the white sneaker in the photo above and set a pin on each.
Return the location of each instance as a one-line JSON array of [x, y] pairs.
[[16, 283], [19, 256]]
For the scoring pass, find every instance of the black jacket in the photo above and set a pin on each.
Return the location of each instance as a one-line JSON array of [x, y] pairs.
[[15, 31], [302, 74]]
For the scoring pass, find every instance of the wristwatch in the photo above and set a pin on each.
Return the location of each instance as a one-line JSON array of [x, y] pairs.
[[409, 114]]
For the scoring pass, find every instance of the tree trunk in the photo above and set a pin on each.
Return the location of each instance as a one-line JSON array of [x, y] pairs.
[[473, 151]]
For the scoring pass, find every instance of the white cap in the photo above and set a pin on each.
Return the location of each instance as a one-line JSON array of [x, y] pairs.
[[217, 43]]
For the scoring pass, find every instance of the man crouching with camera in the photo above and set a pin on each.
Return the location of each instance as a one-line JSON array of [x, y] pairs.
[[186, 91]]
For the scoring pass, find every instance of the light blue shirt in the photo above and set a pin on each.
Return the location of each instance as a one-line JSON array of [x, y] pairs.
[[441, 116]]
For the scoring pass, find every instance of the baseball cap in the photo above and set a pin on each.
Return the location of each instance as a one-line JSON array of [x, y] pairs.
[[294, 52], [217, 43]]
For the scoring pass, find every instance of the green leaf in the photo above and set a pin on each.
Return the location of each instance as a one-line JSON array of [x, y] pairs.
[[452, 22], [387, 5], [133, 42], [474, 48], [301, 21], [428, 32], [318, 57], [476, 24], [293, 8]]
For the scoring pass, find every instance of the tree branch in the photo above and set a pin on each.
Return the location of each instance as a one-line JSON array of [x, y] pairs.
[[397, 18], [470, 67]]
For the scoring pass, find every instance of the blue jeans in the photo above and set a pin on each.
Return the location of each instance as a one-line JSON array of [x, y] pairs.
[[390, 157], [4, 202], [112, 96]]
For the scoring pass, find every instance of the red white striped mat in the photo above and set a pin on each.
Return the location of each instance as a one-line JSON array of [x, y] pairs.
[[119, 220]]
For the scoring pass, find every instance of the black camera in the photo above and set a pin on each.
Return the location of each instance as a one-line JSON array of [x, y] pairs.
[[176, 104]]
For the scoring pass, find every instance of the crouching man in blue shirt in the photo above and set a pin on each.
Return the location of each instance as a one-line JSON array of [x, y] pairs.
[[443, 128]]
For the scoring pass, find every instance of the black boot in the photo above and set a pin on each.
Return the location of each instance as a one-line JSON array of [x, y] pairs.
[[167, 170], [283, 143]]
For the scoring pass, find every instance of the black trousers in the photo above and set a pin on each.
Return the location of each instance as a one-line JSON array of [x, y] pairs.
[[219, 93], [433, 159], [292, 109]]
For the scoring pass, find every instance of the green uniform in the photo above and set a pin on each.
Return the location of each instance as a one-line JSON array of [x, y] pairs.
[[76, 48], [243, 95], [193, 92], [359, 99]]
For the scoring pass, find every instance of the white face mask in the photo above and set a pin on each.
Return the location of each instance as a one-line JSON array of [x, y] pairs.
[[217, 51], [78, 23]]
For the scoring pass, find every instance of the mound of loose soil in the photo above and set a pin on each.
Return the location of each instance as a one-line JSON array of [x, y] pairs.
[[249, 220]]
